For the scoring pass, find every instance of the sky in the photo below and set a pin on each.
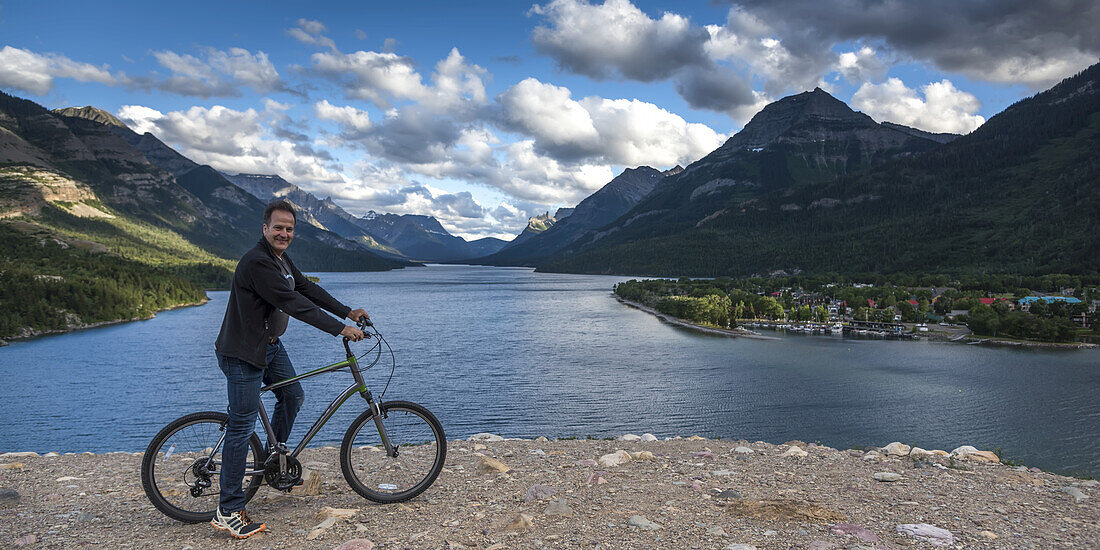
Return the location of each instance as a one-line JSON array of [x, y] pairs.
[[485, 113]]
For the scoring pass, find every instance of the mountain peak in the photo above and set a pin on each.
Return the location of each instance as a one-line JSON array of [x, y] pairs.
[[91, 113], [777, 118]]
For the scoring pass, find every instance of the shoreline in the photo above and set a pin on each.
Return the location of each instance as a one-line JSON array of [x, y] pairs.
[[968, 339], [629, 492], [742, 332], [36, 333]]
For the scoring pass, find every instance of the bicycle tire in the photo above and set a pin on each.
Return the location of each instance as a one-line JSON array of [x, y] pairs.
[[420, 441], [179, 487]]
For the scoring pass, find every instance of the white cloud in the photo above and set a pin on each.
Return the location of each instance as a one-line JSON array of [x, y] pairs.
[[943, 108], [385, 78], [232, 141], [861, 65], [309, 32], [347, 116], [625, 132], [216, 74], [617, 39], [35, 73]]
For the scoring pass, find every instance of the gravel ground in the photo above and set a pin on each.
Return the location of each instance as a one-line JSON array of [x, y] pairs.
[[680, 493]]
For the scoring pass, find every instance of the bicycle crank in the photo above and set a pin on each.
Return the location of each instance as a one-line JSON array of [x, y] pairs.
[[277, 477]]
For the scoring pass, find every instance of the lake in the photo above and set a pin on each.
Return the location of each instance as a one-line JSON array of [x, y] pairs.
[[523, 354]]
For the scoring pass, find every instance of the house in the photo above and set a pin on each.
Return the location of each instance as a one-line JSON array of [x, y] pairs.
[[1025, 302]]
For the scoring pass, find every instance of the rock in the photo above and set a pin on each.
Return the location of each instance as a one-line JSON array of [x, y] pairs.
[[742, 450], [988, 535], [717, 531], [697, 486], [703, 454], [311, 484], [928, 533], [887, 476], [490, 465], [629, 437], [917, 453], [643, 523], [597, 479], [25, 540], [615, 459], [968, 452], [872, 455], [859, 532], [696, 438], [558, 507], [20, 454], [643, 455], [1077, 494], [52, 454], [356, 544], [339, 513], [939, 452], [649, 437], [740, 546], [84, 516], [521, 522], [538, 452], [539, 492], [821, 545], [723, 473], [479, 447], [587, 462], [486, 437], [541, 438], [984, 456], [727, 494], [796, 452], [771, 533], [321, 528], [8, 498], [897, 449], [67, 478], [13, 466]]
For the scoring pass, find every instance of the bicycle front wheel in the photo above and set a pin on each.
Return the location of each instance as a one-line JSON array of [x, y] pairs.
[[419, 449], [180, 470]]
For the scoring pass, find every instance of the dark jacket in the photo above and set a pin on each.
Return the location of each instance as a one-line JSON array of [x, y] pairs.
[[259, 287]]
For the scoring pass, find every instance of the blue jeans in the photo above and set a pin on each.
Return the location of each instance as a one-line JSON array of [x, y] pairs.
[[243, 382]]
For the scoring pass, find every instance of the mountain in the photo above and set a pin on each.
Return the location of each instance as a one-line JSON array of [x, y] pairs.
[[547, 236], [942, 137], [418, 237], [398, 236], [811, 186], [535, 225], [320, 213], [487, 245], [96, 231]]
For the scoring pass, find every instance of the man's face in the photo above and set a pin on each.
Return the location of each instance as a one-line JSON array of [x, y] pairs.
[[280, 231]]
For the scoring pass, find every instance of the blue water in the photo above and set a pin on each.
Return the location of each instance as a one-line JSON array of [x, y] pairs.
[[523, 354]]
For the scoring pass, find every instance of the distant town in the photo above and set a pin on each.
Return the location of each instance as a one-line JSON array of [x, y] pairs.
[[960, 310]]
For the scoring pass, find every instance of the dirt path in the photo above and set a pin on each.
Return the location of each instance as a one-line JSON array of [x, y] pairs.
[[681, 493]]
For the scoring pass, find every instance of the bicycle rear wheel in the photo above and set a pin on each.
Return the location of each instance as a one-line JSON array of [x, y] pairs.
[[180, 469], [420, 447]]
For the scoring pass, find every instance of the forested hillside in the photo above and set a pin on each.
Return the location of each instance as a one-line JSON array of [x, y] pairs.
[[1021, 194]]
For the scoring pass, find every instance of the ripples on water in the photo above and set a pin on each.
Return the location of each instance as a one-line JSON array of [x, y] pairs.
[[524, 354]]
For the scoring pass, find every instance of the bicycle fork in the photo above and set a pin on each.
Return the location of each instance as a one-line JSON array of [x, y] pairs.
[[376, 413]]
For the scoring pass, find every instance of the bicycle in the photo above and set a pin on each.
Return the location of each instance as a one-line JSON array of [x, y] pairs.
[[393, 460]]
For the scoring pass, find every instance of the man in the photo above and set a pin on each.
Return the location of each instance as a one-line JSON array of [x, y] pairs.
[[266, 289]]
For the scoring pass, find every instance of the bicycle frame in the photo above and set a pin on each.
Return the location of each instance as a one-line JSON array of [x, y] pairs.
[[359, 387]]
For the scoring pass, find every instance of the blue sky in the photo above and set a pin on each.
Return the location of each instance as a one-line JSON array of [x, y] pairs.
[[485, 113]]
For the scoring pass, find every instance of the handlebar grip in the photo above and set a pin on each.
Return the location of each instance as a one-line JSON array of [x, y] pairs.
[[363, 323]]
